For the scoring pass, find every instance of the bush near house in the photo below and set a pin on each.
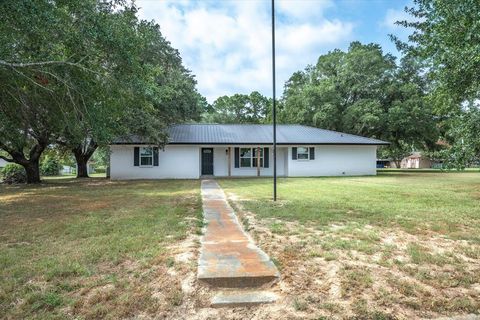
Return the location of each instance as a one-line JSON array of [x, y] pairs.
[[13, 173]]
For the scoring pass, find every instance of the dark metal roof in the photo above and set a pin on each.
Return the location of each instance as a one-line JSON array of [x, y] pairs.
[[254, 134]]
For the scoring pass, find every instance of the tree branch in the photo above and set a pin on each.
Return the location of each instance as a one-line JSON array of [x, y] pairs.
[[5, 158], [44, 63], [40, 63]]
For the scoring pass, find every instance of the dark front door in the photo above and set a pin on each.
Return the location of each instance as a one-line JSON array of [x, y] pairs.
[[207, 161]]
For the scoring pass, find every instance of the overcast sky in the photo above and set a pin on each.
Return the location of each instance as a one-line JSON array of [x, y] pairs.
[[227, 43]]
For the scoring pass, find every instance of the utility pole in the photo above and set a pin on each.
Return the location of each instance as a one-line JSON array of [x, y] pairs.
[[274, 113]]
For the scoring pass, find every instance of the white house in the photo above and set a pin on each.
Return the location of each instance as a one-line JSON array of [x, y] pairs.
[[236, 150]]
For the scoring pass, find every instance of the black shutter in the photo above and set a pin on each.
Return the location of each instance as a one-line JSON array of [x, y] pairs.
[[237, 157], [155, 156], [312, 153], [265, 157], [294, 153], [136, 156]]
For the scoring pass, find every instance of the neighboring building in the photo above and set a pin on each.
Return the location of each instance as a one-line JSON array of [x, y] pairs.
[[67, 169], [222, 150], [3, 163], [416, 161], [385, 163]]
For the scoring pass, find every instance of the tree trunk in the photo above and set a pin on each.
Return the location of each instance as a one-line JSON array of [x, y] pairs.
[[32, 163], [398, 163], [82, 167], [32, 170], [82, 155]]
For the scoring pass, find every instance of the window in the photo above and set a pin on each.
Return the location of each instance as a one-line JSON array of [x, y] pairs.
[[245, 157], [146, 156], [248, 157], [302, 153]]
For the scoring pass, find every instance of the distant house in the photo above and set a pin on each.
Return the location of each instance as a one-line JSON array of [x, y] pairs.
[[416, 160], [240, 150], [384, 163], [67, 169]]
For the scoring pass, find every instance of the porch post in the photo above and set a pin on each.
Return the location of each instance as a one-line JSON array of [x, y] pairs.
[[229, 161], [258, 161]]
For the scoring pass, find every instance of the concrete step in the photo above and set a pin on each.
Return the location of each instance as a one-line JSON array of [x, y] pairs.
[[242, 298], [235, 265], [238, 281]]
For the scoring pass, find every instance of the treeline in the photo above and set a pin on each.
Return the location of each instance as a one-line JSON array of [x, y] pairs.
[[77, 74], [427, 101]]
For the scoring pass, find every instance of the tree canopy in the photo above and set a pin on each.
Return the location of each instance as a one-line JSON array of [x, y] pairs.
[[363, 91], [102, 73], [239, 108], [446, 38]]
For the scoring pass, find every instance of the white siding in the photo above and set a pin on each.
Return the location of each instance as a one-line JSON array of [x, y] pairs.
[[184, 162], [220, 161], [175, 162], [335, 160]]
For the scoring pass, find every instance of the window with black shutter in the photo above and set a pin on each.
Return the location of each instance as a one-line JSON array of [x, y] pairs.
[[136, 156], [265, 157], [237, 157]]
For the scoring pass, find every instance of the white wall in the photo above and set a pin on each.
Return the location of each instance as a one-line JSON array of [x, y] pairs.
[[336, 160], [184, 162], [220, 161], [175, 162], [3, 163]]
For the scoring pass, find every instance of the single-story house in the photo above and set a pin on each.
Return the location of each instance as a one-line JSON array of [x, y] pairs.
[[238, 150]]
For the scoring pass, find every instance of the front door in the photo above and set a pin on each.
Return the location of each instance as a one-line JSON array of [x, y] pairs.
[[207, 161]]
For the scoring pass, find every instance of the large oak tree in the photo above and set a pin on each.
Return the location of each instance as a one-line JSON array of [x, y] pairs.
[[79, 73], [446, 38], [363, 91]]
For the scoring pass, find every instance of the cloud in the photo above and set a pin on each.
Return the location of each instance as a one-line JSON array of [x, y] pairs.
[[392, 16], [227, 44], [303, 9]]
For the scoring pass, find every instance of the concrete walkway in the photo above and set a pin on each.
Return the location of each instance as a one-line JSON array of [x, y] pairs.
[[228, 256]]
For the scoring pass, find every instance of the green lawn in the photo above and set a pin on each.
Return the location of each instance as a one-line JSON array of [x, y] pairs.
[[403, 244], [91, 248], [400, 243], [447, 203]]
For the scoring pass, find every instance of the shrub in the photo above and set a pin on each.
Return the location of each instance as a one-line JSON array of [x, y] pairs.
[[13, 173], [100, 170], [50, 167]]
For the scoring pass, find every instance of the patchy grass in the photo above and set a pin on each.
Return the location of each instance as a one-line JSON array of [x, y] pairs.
[[444, 203], [92, 248], [355, 280], [400, 245]]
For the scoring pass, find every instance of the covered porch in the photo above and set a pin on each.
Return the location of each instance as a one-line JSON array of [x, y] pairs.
[[242, 160]]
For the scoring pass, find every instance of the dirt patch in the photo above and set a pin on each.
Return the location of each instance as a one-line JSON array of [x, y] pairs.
[[354, 271]]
